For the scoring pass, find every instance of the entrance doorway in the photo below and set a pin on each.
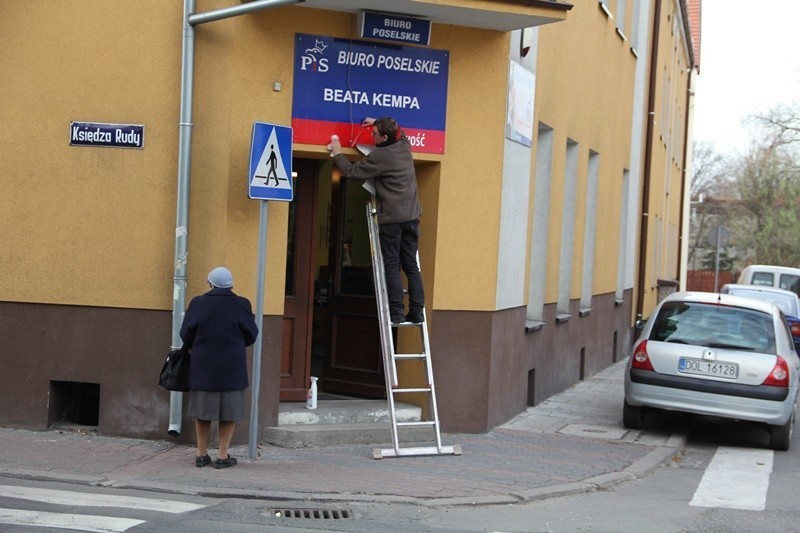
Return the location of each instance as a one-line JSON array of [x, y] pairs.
[[330, 324]]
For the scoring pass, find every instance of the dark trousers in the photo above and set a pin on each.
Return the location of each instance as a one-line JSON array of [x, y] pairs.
[[399, 244]]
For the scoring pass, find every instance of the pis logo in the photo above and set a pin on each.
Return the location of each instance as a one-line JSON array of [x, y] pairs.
[[312, 58]]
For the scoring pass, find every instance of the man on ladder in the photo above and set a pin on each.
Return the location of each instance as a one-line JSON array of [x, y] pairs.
[[391, 165], [394, 222]]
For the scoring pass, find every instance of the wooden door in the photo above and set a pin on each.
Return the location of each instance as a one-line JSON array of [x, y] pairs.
[[353, 365], [297, 317]]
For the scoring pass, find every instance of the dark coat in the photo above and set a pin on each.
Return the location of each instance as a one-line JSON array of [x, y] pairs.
[[392, 167], [217, 327]]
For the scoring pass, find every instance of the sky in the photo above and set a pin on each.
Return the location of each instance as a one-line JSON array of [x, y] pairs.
[[749, 62]]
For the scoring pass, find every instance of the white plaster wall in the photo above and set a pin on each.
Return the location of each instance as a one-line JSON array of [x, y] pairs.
[[515, 198]]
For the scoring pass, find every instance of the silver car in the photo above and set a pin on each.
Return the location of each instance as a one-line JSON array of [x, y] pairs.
[[718, 355], [787, 301]]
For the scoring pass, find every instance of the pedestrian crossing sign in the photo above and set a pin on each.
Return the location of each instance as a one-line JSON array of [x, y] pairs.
[[270, 175]]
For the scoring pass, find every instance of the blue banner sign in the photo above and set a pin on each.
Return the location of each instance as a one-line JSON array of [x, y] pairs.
[[395, 28], [338, 82], [112, 135]]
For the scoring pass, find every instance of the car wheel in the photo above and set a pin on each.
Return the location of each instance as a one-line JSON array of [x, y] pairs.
[[780, 436], [632, 415]]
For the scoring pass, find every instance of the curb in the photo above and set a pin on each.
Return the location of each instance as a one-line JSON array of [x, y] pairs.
[[637, 469]]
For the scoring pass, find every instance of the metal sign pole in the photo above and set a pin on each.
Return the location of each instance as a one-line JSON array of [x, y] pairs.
[[270, 159], [716, 261], [259, 312]]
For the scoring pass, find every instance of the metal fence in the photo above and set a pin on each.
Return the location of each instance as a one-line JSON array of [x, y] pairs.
[[703, 280]]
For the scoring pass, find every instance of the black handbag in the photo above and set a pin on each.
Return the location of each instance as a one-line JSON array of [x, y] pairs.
[[175, 372]]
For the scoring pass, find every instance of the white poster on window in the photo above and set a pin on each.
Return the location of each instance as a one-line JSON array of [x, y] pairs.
[[519, 118]]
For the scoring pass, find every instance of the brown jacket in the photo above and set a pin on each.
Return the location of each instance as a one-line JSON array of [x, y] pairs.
[[392, 167]]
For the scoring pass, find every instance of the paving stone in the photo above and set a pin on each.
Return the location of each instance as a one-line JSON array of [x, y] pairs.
[[572, 442]]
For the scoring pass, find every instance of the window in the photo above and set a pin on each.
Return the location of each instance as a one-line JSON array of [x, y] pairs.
[[636, 34], [621, 7], [567, 229], [622, 249], [657, 247], [790, 282], [701, 324], [590, 231], [541, 220], [763, 278]]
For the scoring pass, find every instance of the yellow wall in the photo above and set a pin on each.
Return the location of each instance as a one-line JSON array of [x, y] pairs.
[[470, 182], [584, 90], [88, 225], [96, 226]]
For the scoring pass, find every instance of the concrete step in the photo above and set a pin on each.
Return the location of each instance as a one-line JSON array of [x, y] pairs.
[[341, 422], [325, 435], [345, 412]]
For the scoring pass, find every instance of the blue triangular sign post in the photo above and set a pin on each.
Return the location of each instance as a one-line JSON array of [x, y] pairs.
[[270, 176]]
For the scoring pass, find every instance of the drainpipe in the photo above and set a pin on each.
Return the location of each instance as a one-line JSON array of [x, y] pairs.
[[648, 155], [190, 20], [182, 217]]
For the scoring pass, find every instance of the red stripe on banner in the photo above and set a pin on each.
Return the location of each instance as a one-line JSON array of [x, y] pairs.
[[319, 132]]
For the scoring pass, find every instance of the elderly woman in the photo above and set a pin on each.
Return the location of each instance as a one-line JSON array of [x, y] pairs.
[[218, 327]]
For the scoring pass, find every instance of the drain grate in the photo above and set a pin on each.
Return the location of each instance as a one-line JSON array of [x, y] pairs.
[[330, 514]]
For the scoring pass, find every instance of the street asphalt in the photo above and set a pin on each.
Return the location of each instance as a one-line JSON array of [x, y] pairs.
[[572, 442]]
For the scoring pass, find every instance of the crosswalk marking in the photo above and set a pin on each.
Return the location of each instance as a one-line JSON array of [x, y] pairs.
[[736, 478], [102, 524], [84, 499]]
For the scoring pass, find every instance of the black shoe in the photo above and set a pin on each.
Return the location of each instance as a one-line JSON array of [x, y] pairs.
[[225, 463], [414, 318], [398, 320], [202, 460]]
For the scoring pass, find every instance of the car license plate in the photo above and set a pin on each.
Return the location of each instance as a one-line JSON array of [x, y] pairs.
[[708, 368]]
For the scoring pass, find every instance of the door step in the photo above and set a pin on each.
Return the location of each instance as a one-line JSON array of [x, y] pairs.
[[342, 422]]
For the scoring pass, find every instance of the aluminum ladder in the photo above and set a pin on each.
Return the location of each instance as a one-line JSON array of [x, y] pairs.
[[390, 359]]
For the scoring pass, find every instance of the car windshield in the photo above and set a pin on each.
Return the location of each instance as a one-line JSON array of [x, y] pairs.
[[716, 326], [784, 301]]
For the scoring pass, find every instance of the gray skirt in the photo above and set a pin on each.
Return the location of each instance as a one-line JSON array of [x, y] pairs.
[[226, 406]]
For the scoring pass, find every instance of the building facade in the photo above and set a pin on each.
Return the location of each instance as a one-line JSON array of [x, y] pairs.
[[550, 145]]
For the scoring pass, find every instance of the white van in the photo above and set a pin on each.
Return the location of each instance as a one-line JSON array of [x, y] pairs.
[[772, 276]]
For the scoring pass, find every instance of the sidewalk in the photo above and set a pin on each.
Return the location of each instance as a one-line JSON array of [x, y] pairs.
[[572, 442]]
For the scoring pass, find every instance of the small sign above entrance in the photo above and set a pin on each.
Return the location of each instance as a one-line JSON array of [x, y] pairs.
[[270, 175], [395, 28]]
